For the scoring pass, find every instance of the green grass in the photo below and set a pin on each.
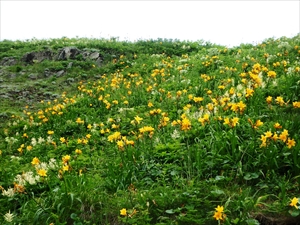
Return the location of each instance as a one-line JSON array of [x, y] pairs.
[[164, 132]]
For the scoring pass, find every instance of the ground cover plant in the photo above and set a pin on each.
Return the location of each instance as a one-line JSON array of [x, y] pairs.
[[162, 132]]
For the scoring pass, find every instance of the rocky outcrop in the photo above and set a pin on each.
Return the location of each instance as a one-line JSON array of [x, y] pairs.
[[37, 56], [67, 53], [9, 61]]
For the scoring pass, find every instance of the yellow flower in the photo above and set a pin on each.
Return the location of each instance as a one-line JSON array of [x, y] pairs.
[[78, 151], [120, 144], [42, 172], [66, 158], [294, 202], [272, 74], [35, 161], [277, 126], [50, 132], [65, 167], [220, 209], [114, 136], [279, 100], [283, 136], [249, 92], [234, 121], [186, 124], [79, 121], [198, 99], [138, 119], [218, 216], [258, 124], [269, 99], [123, 212], [290, 143], [268, 134]]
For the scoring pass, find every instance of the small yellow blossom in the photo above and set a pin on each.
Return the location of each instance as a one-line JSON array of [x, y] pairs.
[[220, 209], [279, 100], [123, 212], [50, 132], [78, 151], [42, 172], [269, 99], [66, 158], [290, 143], [138, 119], [65, 167], [294, 202], [35, 161]]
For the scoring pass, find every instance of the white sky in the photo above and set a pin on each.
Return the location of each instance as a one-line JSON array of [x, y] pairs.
[[222, 22]]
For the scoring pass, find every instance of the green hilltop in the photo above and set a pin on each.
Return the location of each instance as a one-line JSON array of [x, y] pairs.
[[97, 131]]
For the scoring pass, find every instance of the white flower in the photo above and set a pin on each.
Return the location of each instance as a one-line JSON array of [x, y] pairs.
[[33, 141], [9, 193], [28, 176], [52, 163], [41, 140], [49, 139], [9, 217], [11, 140], [19, 179], [175, 134]]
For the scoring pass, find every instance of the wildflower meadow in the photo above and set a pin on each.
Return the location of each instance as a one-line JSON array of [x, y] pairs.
[[163, 132]]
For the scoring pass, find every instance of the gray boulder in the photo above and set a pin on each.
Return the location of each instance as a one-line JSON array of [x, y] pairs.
[[68, 53], [8, 61]]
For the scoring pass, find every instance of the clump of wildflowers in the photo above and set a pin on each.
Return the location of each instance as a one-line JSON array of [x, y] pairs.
[[219, 213]]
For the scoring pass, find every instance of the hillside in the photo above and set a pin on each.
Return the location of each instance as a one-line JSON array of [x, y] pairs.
[[151, 132]]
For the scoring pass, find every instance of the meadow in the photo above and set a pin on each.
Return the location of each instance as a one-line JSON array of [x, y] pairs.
[[163, 132]]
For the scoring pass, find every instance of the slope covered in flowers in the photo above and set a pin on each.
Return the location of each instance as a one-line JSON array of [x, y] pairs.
[[208, 135]]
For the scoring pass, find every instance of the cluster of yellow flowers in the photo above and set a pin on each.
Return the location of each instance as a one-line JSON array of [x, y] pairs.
[[219, 213], [283, 136]]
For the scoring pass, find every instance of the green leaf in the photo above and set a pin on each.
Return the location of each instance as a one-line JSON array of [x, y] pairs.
[[250, 176], [217, 192], [294, 212], [252, 222], [170, 211]]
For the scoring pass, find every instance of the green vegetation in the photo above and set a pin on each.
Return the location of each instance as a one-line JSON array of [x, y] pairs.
[[162, 132]]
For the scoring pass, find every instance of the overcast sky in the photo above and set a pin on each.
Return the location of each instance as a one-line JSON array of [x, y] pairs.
[[222, 22]]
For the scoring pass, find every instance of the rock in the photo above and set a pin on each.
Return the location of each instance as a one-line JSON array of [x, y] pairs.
[[70, 65], [32, 76], [94, 55], [60, 73], [47, 72], [85, 54], [8, 61], [99, 62], [68, 53], [37, 56], [11, 75], [28, 57]]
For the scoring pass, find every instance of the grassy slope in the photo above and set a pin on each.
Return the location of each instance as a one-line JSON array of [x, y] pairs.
[[179, 173]]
